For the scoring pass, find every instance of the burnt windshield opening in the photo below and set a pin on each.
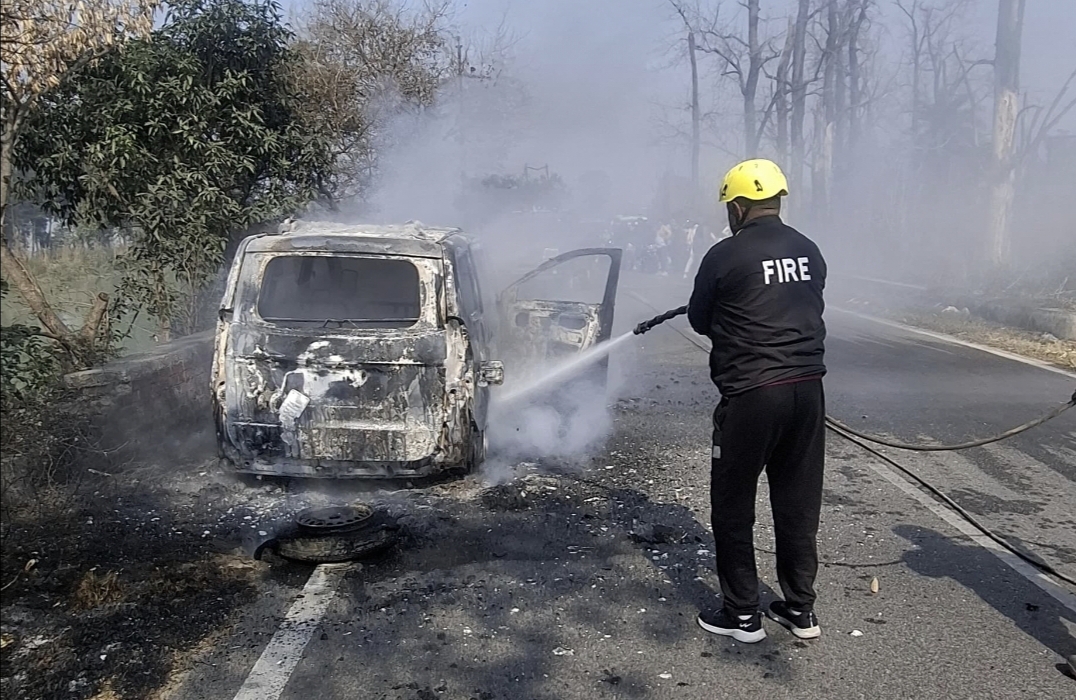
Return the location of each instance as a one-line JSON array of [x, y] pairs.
[[322, 291]]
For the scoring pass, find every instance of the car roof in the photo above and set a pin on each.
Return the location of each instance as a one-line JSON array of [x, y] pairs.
[[412, 238]]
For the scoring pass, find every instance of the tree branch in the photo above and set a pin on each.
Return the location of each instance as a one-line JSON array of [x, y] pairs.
[[16, 273], [1054, 114], [92, 327]]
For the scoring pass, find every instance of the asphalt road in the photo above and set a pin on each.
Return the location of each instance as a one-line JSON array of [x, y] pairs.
[[558, 585]]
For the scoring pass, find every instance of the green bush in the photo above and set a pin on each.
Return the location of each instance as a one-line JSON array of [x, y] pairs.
[[41, 433], [29, 363]]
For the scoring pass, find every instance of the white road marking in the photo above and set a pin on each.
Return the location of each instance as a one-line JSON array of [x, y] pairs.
[[957, 341], [1054, 589], [274, 667]]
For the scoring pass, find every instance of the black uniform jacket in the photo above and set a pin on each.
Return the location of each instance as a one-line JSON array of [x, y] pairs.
[[758, 297]]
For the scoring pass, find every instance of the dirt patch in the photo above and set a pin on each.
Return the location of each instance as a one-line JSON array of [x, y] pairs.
[[921, 310], [104, 593], [1061, 353]]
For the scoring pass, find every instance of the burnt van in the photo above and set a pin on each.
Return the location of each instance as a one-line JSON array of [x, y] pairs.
[[367, 351]]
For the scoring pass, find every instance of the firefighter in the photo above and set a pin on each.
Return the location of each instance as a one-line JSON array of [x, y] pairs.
[[758, 297]]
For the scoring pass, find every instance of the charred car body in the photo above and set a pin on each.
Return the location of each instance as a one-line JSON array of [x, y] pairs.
[[367, 351]]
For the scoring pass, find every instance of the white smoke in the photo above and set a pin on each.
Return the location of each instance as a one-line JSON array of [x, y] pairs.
[[562, 427]]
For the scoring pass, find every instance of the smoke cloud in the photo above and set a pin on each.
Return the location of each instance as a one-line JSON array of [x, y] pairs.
[[893, 177], [558, 427]]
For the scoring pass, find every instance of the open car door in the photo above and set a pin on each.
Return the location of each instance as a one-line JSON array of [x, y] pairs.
[[561, 307]]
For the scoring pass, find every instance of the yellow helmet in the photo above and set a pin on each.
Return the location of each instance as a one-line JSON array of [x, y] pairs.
[[754, 179]]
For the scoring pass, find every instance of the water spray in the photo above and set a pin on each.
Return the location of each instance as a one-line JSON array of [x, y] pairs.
[[585, 358], [563, 371]]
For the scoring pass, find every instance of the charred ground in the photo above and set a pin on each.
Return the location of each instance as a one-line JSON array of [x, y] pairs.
[[106, 588]]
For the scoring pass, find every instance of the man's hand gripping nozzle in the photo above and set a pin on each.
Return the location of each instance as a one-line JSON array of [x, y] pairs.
[[658, 320]]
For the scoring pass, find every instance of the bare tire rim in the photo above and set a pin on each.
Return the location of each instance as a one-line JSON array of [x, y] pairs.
[[326, 519]]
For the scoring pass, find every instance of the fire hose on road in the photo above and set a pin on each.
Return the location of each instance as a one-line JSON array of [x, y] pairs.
[[851, 434]]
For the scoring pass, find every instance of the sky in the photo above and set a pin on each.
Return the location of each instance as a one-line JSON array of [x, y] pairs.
[[595, 46]]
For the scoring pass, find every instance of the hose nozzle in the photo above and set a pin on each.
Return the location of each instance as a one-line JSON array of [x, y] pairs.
[[658, 320]]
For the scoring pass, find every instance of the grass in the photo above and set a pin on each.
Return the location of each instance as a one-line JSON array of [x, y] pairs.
[[96, 590], [1061, 353], [70, 278]]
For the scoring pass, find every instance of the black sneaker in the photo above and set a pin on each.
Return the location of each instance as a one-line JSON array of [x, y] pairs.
[[803, 624], [727, 624]]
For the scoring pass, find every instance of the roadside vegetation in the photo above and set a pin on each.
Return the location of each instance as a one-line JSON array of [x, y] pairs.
[[1040, 346]]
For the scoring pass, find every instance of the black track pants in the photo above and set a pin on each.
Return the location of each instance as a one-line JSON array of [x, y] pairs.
[[782, 429]]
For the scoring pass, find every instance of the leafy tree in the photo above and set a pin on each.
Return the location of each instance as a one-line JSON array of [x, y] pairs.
[[370, 62], [28, 360], [42, 42], [366, 61], [188, 139]]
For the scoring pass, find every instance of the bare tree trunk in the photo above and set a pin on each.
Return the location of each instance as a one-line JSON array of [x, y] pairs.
[[1006, 84], [829, 77], [164, 330], [95, 319], [917, 63], [695, 139], [854, 78], [840, 86], [750, 87], [20, 278], [799, 93], [825, 135], [7, 142], [819, 164], [828, 147], [780, 95]]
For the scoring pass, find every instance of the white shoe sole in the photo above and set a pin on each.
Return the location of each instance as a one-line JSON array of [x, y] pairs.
[[801, 632], [737, 634]]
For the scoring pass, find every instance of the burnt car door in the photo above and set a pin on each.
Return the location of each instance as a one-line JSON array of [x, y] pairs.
[[561, 307], [471, 308]]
